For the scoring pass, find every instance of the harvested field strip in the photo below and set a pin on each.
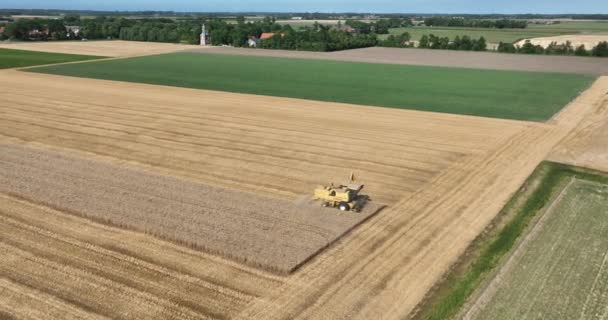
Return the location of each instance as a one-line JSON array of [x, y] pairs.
[[73, 267], [277, 138], [178, 261], [415, 242], [498, 94], [40, 305], [308, 128], [242, 173], [413, 233], [10, 58], [200, 136], [224, 147], [227, 107], [113, 48], [241, 226]]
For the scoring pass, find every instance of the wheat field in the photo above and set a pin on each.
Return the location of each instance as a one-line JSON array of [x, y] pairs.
[[443, 177]]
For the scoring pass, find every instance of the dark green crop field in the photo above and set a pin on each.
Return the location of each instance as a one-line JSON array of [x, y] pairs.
[[488, 93], [10, 58]]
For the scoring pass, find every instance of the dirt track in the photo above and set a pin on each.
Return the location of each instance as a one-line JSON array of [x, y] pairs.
[[102, 48], [446, 58], [274, 234], [382, 269]]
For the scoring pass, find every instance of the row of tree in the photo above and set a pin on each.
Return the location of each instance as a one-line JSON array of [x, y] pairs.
[[465, 43], [381, 26], [475, 23], [601, 50], [318, 38], [36, 29]]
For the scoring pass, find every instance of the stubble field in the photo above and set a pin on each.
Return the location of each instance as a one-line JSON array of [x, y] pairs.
[[114, 48], [443, 176]]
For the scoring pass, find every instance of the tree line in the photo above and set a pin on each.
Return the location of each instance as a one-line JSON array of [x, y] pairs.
[[475, 23], [381, 26], [318, 38], [464, 43], [601, 50]]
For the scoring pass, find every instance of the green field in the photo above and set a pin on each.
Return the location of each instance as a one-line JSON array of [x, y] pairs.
[[499, 94], [10, 58], [560, 272], [563, 272], [507, 35]]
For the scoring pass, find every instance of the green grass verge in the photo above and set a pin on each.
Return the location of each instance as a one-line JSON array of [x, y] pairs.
[[11, 58], [499, 94], [490, 249], [565, 261]]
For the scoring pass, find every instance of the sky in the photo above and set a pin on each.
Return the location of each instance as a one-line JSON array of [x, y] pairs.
[[380, 6]]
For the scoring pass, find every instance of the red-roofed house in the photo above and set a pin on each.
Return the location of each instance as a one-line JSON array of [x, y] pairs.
[[267, 35]]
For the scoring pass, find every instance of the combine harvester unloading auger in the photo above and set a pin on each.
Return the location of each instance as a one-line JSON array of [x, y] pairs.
[[345, 197]]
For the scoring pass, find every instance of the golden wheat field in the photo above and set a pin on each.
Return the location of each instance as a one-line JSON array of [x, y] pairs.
[[444, 178], [114, 48]]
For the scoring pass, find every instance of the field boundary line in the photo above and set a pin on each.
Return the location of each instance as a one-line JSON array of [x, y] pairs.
[[491, 288], [101, 58]]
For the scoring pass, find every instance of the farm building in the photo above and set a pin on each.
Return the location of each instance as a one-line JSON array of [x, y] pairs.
[[75, 30], [252, 42]]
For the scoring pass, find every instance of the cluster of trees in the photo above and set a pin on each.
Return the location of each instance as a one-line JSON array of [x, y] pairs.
[[223, 33], [36, 29], [318, 38], [157, 30], [102, 27], [433, 42], [601, 50], [381, 26], [397, 41], [465, 43], [475, 23]]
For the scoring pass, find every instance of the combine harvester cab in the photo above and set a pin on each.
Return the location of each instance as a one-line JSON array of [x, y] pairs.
[[343, 197]]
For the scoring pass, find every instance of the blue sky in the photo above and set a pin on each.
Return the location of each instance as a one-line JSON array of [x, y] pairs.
[[387, 6]]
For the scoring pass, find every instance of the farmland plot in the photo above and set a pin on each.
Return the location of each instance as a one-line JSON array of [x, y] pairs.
[[270, 233], [116, 48], [472, 167], [586, 145], [56, 265], [273, 146], [530, 96], [563, 270]]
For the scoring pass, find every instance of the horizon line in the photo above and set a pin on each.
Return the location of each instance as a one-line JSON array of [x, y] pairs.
[[308, 12]]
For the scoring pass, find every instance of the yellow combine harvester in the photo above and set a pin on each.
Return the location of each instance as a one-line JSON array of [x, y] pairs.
[[345, 197]]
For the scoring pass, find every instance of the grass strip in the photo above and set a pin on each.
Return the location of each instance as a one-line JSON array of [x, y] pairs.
[[491, 247], [12, 58]]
